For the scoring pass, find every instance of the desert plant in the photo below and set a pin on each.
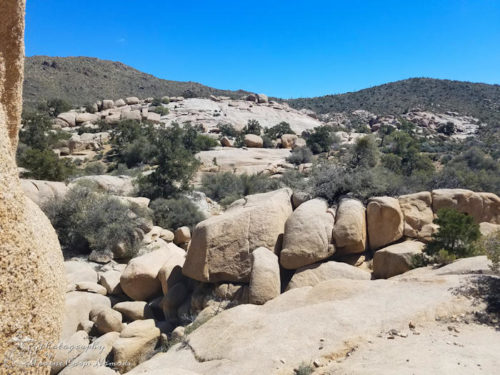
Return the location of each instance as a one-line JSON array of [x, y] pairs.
[[277, 131], [490, 244], [300, 155], [321, 139], [227, 130], [304, 369], [175, 213], [226, 187], [44, 165], [253, 127], [457, 235], [86, 220]]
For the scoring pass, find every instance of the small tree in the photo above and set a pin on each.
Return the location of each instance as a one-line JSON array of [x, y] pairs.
[[253, 127], [175, 213], [456, 235], [278, 130], [321, 139]]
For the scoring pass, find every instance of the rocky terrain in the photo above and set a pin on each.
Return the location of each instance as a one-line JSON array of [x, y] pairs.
[[187, 230]]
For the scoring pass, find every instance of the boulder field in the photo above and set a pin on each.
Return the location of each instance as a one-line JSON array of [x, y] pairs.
[[266, 273]]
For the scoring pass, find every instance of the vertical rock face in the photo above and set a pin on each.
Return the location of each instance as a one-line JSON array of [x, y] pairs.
[[31, 265], [385, 221]]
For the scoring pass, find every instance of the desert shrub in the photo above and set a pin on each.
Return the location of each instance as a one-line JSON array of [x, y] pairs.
[[226, 187], [304, 369], [277, 131], [44, 164], [86, 220], [54, 107], [300, 155], [89, 107], [161, 110], [227, 130], [205, 143], [321, 139], [490, 245], [253, 127], [267, 142], [447, 129], [94, 168], [456, 236], [165, 100], [364, 153], [175, 212], [194, 141], [176, 164]]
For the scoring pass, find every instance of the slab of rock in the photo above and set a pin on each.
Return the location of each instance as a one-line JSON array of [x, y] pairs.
[[473, 265], [226, 142], [253, 141], [182, 235], [385, 221], [316, 273], [77, 310], [117, 185], [310, 322], [488, 228], [136, 343], [262, 98], [41, 192], [85, 117], [134, 310], [131, 115], [288, 140], [308, 235], [94, 358], [132, 100], [87, 286], [418, 215], [349, 231], [108, 320], [171, 271], [68, 350], [265, 276], [68, 117], [221, 245], [395, 259], [111, 281], [139, 280], [79, 271], [483, 207]]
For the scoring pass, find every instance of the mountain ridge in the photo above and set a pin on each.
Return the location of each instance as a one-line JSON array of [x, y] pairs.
[[80, 80]]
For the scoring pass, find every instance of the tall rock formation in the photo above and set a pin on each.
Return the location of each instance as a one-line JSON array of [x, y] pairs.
[[31, 265]]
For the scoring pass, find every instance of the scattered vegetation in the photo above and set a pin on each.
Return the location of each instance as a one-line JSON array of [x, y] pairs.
[[175, 213], [86, 220], [456, 237], [320, 139], [278, 130], [300, 155], [226, 187], [491, 247]]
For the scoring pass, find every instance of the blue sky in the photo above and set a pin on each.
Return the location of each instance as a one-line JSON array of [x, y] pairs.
[[281, 48]]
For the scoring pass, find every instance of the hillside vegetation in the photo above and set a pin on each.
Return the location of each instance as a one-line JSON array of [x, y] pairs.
[[85, 79], [475, 99]]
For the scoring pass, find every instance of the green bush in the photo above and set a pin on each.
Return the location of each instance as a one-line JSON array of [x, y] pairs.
[[365, 153], [44, 165], [300, 155], [86, 220], [267, 142], [321, 139], [175, 213], [54, 107], [457, 235], [226, 187], [490, 245], [176, 164], [253, 127], [277, 131], [162, 111], [227, 130]]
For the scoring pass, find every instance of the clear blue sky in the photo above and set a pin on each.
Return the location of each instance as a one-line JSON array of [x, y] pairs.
[[281, 48]]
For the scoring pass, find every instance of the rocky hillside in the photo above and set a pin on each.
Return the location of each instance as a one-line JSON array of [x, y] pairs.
[[435, 95], [84, 79]]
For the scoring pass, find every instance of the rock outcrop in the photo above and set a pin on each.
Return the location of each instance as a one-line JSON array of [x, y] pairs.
[[385, 221], [31, 266], [221, 245], [265, 276], [418, 215], [395, 259], [349, 232], [317, 273], [308, 235]]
